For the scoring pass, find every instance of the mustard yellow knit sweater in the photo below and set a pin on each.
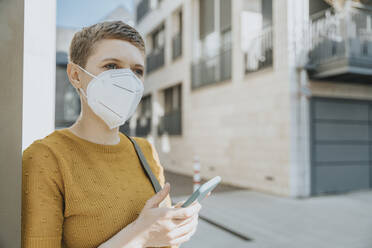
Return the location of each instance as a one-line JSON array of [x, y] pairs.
[[78, 194]]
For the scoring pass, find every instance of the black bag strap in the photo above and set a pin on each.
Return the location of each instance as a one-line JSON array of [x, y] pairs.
[[145, 165]]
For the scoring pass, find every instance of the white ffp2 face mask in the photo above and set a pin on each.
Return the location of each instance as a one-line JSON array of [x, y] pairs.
[[114, 95]]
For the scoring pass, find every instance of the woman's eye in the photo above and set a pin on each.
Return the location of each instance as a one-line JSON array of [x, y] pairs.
[[111, 66], [139, 72]]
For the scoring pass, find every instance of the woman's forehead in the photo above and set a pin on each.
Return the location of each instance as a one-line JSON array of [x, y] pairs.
[[119, 50]]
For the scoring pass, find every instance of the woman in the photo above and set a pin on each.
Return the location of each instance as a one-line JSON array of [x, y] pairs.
[[83, 186]]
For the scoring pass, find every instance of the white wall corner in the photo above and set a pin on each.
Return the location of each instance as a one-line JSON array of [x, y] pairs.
[[39, 68], [297, 16]]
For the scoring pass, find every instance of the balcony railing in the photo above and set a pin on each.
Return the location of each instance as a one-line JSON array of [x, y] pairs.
[[142, 9], [177, 45], [340, 45], [155, 59], [171, 123], [214, 69], [143, 126], [259, 54]]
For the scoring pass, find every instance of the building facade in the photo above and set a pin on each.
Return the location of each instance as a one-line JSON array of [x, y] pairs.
[[270, 95]]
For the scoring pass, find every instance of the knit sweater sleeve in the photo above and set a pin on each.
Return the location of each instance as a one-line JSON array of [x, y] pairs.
[[42, 198]]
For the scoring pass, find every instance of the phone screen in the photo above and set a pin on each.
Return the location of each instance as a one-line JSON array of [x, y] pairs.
[[202, 191]]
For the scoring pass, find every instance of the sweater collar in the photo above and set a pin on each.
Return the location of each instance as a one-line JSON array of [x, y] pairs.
[[95, 146]]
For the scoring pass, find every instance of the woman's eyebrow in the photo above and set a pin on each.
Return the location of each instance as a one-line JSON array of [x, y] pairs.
[[111, 59], [118, 60]]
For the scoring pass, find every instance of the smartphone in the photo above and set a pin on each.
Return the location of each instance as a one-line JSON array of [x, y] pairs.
[[202, 191]]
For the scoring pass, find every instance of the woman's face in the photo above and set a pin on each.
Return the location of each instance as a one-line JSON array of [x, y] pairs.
[[112, 54]]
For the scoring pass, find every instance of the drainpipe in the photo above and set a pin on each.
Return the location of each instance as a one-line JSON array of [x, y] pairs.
[[300, 93]]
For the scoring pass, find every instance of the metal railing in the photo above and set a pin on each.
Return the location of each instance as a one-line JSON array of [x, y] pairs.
[[142, 9], [171, 123], [209, 70], [347, 34], [155, 59], [260, 51], [143, 129], [177, 45]]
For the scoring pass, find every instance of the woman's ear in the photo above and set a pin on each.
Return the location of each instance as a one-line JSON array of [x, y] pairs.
[[73, 75]]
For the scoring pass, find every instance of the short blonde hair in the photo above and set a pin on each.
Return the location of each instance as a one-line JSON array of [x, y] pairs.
[[83, 42]]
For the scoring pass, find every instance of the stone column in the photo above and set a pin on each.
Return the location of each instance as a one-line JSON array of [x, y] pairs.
[[27, 48], [11, 70]]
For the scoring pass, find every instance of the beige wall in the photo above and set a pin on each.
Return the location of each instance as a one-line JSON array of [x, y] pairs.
[[11, 50], [240, 132]]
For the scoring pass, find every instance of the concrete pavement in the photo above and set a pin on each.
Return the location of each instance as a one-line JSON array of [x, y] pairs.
[[230, 214]]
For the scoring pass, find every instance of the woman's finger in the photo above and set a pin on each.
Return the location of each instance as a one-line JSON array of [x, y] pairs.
[[183, 238], [181, 222], [183, 213], [184, 229], [187, 221]]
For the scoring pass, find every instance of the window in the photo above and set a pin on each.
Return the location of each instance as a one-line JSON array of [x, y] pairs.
[[267, 13], [158, 38], [171, 121], [207, 14], [257, 35], [67, 102], [143, 125], [225, 14], [206, 17], [177, 34], [213, 63], [143, 8], [155, 59]]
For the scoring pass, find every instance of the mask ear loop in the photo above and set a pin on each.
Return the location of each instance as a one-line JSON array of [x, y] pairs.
[[82, 92], [90, 74], [87, 72]]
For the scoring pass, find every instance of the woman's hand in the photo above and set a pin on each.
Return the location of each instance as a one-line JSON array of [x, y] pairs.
[[164, 226]]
